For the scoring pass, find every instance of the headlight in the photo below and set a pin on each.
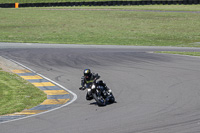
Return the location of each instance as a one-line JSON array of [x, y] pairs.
[[93, 87]]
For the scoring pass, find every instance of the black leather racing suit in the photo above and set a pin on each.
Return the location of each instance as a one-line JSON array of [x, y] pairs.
[[86, 83]]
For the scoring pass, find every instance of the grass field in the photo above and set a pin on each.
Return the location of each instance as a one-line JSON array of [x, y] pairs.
[[17, 94], [118, 27]]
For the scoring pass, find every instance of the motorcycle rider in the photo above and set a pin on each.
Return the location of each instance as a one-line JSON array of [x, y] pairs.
[[86, 82]]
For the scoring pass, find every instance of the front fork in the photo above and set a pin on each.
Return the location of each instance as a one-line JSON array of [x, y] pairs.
[[89, 91]]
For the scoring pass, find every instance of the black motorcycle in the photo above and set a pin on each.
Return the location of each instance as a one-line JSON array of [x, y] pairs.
[[101, 93]]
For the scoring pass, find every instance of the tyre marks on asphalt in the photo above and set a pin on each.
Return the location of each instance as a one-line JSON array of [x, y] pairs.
[[56, 96]]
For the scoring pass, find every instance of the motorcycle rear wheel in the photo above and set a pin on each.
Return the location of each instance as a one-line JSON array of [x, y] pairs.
[[111, 98]]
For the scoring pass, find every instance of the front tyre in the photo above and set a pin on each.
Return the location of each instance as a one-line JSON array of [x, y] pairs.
[[99, 99]]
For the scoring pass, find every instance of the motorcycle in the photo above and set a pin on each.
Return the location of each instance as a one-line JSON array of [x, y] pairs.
[[101, 93]]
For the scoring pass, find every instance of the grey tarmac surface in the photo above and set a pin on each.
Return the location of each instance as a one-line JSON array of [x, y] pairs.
[[155, 93]]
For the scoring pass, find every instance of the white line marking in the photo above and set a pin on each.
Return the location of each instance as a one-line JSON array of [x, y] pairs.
[[71, 101]]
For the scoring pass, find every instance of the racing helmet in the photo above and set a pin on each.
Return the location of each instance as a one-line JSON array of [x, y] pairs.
[[87, 74]]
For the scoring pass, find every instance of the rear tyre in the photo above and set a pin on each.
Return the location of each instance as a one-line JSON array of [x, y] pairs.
[[111, 99]]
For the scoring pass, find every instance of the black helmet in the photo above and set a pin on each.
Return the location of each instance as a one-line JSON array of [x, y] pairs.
[[87, 74]]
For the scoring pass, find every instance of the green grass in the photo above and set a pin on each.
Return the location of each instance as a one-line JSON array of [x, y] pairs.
[[17, 94], [46, 1], [37, 25], [181, 53]]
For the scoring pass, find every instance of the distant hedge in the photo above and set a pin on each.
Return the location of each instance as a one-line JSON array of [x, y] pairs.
[[51, 3], [58, 1]]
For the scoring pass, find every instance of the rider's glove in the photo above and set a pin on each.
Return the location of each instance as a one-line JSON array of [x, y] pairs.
[[82, 88]]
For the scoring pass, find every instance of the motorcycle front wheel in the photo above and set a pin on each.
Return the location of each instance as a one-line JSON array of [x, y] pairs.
[[99, 99]]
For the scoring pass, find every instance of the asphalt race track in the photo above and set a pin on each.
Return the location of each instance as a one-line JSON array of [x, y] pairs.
[[155, 93]]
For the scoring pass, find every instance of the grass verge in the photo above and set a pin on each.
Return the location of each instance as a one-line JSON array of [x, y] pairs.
[[118, 27], [17, 94], [181, 53]]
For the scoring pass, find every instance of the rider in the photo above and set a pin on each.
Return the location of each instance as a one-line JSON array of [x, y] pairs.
[[86, 82]]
